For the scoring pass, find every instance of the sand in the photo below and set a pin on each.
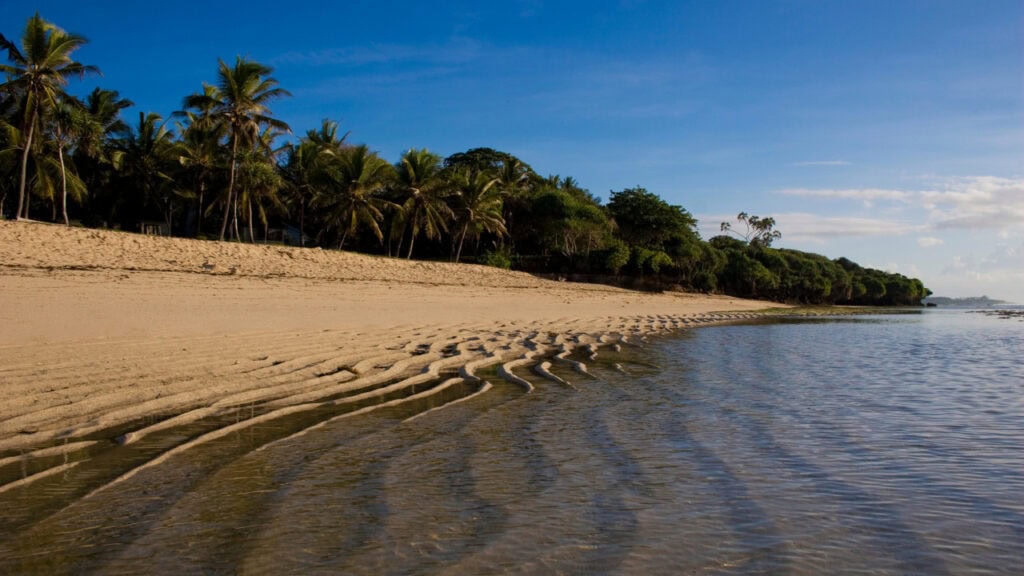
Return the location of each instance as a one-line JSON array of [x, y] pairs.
[[103, 330]]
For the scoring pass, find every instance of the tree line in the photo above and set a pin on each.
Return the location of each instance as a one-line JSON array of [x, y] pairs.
[[223, 167]]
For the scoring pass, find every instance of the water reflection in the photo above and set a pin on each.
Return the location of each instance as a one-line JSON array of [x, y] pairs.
[[890, 446]]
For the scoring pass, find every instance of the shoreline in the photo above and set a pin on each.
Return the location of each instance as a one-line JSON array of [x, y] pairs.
[[89, 349]]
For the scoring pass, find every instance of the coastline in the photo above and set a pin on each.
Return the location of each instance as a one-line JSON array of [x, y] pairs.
[[113, 331]]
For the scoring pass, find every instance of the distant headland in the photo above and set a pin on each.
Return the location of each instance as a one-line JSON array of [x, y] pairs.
[[970, 302]]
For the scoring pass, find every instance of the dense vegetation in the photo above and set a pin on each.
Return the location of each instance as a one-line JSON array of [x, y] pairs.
[[224, 167]]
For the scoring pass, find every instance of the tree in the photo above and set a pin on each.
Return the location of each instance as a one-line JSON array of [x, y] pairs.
[[759, 231], [420, 179], [9, 136], [478, 204], [485, 160], [96, 157], [70, 124], [199, 148], [350, 197], [39, 71], [240, 99], [199, 154], [259, 181], [258, 184], [567, 221], [149, 155], [646, 220]]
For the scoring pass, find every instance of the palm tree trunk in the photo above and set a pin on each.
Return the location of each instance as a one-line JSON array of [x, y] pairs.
[[252, 231], [302, 222], [412, 241], [462, 238], [231, 189], [63, 185], [401, 240], [22, 205], [199, 221]]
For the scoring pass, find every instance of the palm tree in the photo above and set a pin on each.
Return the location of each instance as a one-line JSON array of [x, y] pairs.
[[10, 136], [419, 176], [351, 195], [48, 175], [240, 99], [514, 180], [327, 136], [259, 180], [95, 155], [304, 170], [70, 124], [149, 155], [478, 205], [40, 70], [199, 147], [258, 184]]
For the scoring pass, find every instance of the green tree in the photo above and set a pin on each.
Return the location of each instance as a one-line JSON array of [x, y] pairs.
[[304, 169], [96, 157], [200, 153], [259, 181], [486, 160], [758, 231], [351, 197], [478, 204], [241, 100], [646, 220], [149, 157], [69, 125], [38, 72], [420, 178]]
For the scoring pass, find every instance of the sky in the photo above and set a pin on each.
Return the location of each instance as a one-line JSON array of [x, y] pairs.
[[890, 132]]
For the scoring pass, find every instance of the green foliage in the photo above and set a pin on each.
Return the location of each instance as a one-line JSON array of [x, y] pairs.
[[484, 160], [240, 102], [497, 259], [646, 220], [38, 72], [758, 232], [420, 181], [477, 206], [647, 261], [617, 256]]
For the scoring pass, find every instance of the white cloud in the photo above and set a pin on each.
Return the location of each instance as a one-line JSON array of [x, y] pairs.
[[982, 202], [798, 226], [861, 194], [1000, 274], [968, 203], [804, 227], [929, 242], [822, 163]]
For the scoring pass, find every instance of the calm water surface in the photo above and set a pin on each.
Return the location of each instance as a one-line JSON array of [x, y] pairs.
[[882, 445]]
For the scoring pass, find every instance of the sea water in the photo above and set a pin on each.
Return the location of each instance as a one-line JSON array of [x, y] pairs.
[[889, 444]]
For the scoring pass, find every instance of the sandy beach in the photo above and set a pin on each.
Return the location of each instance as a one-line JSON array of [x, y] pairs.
[[102, 329]]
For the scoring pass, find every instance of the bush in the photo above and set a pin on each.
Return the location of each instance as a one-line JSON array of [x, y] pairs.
[[497, 259], [618, 256]]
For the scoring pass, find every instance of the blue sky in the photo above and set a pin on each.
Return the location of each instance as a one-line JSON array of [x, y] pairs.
[[890, 132]]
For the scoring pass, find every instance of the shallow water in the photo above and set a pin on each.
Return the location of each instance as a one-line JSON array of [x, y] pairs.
[[883, 445]]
